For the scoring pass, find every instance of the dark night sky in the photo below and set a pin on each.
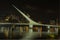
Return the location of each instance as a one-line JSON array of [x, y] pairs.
[[40, 10]]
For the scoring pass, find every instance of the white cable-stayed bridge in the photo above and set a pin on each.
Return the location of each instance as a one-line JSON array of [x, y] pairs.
[[31, 23]]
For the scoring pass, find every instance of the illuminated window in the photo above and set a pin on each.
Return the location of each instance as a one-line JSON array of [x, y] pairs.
[[24, 28], [37, 28], [52, 29]]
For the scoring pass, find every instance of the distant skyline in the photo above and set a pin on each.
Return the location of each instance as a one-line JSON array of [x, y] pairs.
[[40, 10]]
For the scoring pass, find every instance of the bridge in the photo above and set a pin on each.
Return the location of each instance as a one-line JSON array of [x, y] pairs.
[[31, 23]]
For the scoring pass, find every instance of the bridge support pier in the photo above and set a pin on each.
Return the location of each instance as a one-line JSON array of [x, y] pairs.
[[48, 29], [30, 28]]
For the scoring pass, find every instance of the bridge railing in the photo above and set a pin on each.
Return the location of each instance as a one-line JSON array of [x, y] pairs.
[[31, 27]]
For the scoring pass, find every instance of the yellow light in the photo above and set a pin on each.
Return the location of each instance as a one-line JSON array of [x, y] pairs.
[[52, 35]]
